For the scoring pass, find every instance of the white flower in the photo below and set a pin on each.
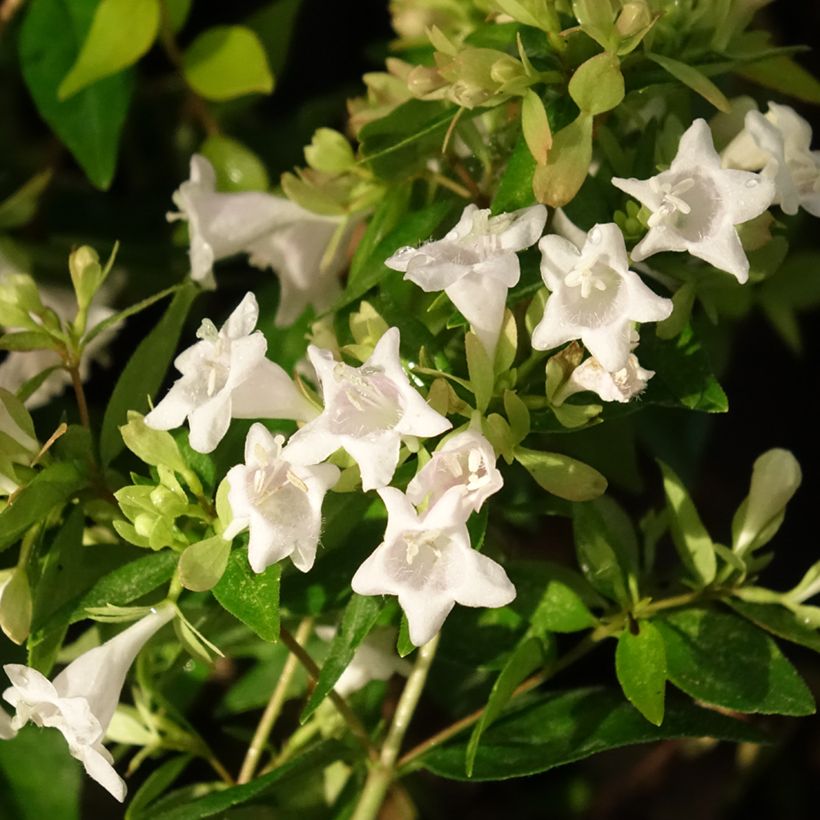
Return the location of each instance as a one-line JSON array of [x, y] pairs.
[[375, 659], [308, 268], [223, 224], [475, 264], [428, 562], [367, 411], [594, 296], [278, 502], [81, 700], [20, 366], [621, 385], [696, 204], [466, 461], [782, 139], [226, 375]]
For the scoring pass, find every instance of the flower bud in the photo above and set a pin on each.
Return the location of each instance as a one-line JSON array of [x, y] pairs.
[[86, 274], [329, 151], [634, 17]]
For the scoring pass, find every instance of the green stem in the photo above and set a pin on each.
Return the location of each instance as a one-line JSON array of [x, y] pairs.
[[384, 769], [274, 708]]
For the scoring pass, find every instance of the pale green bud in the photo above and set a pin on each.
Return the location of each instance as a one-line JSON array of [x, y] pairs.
[[329, 151], [635, 16], [86, 274]]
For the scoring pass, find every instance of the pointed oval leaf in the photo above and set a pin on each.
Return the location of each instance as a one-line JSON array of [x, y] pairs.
[[640, 663]]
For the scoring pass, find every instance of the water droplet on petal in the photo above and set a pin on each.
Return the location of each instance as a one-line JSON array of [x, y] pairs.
[[753, 182]]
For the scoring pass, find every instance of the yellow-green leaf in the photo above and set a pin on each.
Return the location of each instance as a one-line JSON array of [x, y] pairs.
[[597, 85], [693, 78], [640, 663], [557, 182]]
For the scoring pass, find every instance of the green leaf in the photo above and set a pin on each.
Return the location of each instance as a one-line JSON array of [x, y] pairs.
[[122, 315], [274, 23], [219, 802], [597, 85], [203, 564], [778, 621], [596, 552], [28, 340], [18, 209], [90, 123], [404, 646], [121, 32], [480, 369], [561, 608], [413, 228], [535, 127], [161, 779], [145, 371], [693, 543], [527, 657], [225, 62], [51, 487], [360, 616], [562, 475], [726, 661], [252, 598], [397, 145], [23, 761], [783, 74], [514, 189], [694, 79], [561, 727], [237, 168], [683, 374], [640, 663], [557, 182]]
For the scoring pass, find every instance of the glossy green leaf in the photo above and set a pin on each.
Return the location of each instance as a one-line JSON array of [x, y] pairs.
[[694, 79], [514, 189], [225, 62], [251, 597], [121, 32], [90, 123], [562, 475], [597, 555], [158, 782], [358, 619], [561, 727], [144, 373], [693, 543], [783, 74], [640, 663], [202, 564], [779, 621], [561, 608], [726, 661], [527, 657], [237, 168]]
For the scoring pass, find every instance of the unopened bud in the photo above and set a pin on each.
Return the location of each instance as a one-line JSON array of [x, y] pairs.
[[86, 274], [634, 17]]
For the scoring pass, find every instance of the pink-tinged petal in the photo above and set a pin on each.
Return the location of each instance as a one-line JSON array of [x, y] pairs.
[[371, 578], [401, 516], [209, 423], [312, 444], [558, 257], [484, 582], [269, 393], [418, 418], [377, 457], [481, 301], [434, 273]]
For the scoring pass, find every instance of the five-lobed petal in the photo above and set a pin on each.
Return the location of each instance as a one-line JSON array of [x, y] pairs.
[[427, 561], [278, 502], [475, 264], [594, 296], [696, 204], [368, 410]]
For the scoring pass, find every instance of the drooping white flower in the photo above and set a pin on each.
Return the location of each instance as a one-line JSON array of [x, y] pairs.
[[475, 264], [226, 375], [696, 204], [621, 385], [367, 411], [594, 296], [779, 143], [428, 562], [278, 502], [223, 224], [308, 267], [81, 700], [375, 659], [465, 461]]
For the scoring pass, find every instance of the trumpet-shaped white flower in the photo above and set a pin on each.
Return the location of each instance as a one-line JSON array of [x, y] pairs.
[[594, 296], [621, 385], [299, 254], [696, 204], [475, 264], [226, 375], [278, 502], [223, 224], [779, 142], [367, 411], [81, 700], [375, 659], [465, 461], [428, 562]]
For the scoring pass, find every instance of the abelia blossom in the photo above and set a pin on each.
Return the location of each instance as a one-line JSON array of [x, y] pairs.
[[594, 296], [696, 204], [779, 143], [427, 561], [226, 375], [278, 502], [81, 700], [465, 461], [368, 410], [621, 385], [475, 264]]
